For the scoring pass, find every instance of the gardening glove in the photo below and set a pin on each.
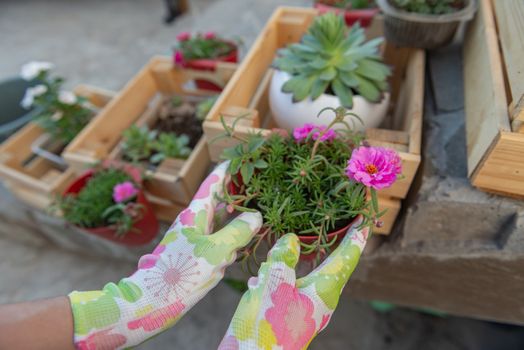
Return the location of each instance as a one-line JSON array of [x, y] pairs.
[[279, 311], [182, 269]]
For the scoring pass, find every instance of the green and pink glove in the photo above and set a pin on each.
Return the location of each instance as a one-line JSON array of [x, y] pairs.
[[182, 269], [279, 311]]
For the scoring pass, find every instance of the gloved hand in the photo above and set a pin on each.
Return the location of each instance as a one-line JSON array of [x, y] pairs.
[[280, 312], [182, 269]]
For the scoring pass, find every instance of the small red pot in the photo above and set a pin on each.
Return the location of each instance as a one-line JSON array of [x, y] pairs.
[[210, 65], [364, 16], [146, 227]]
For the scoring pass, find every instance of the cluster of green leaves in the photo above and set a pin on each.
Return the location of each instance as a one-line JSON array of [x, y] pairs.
[[62, 121], [429, 7], [199, 47], [94, 206], [297, 186], [349, 4], [331, 58], [203, 108], [140, 143]]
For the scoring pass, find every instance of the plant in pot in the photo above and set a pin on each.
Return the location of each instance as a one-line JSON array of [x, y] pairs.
[[202, 52], [60, 113], [110, 203], [314, 182], [425, 24], [361, 11], [331, 66]]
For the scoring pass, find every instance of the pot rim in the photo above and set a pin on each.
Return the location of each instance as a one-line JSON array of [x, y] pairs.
[[464, 14]]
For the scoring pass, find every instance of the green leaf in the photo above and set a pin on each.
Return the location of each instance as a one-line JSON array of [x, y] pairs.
[[255, 143], [328, 74], [368, 90], [318, 88], [343, 93], [246, 171], [261, 164]]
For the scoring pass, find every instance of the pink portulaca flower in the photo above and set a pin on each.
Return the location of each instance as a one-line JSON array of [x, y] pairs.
[[210, 35], [178, 58], [375, 167], [184, 36], [302, 133], [124, 191]]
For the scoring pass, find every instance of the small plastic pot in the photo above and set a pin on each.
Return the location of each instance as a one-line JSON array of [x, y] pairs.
[[144, 230], [410, 29], [209, 64], [363, 16]]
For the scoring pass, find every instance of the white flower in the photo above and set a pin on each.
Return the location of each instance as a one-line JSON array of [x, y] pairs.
[[30, 95], [32, 69], [67, 97]]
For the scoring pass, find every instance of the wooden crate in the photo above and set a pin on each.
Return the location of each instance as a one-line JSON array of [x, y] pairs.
[[137, 103], [33, 179], [494, 97], [247, 92]]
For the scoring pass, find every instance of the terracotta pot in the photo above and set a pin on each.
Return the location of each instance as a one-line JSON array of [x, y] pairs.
[[209, 64], [289, 115], [144, 230], [364, 16]]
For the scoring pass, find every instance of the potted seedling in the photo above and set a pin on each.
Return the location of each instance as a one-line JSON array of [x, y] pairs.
[[314, 182], [175, 133], [61, 114], [331, 65], [361, 11], [110, 203], [202, 52], [426, 24]]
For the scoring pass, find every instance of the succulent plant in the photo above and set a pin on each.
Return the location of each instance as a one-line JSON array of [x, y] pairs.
[[349, 4], [330, 58], [137, 143], [204, 107], [429, 7], [169, 145]]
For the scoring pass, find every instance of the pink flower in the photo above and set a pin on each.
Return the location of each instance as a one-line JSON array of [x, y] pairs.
[[210, 35], [308, 129], [178, 58], [291, 317], [376, 167], [184, 36], [124, 191]]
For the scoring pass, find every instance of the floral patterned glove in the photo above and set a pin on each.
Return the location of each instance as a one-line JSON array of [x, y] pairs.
[[280, 312], [182, 269]]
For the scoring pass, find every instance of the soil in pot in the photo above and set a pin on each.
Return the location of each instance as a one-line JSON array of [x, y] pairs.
[[178, 115]]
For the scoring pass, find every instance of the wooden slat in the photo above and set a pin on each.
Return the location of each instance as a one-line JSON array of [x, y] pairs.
[[510, 21], [484, 94], [503, 171], [393, 208]]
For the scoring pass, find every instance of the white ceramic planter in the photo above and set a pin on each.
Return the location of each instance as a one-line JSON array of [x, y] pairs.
[[289, 115]]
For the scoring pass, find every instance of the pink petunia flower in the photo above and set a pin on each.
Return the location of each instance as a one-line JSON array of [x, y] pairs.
[[375, 167], [210, 35], [124, 191], [302, 133], [291, 317], [184, 36], [178, 58]]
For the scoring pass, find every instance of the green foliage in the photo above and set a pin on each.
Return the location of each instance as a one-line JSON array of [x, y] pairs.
[[329, 58], [199, 47], [204, 107], [429, 7], [62, 121], [169, 145], [138, 143], [349, 4], [299, 187], [94, 206]]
